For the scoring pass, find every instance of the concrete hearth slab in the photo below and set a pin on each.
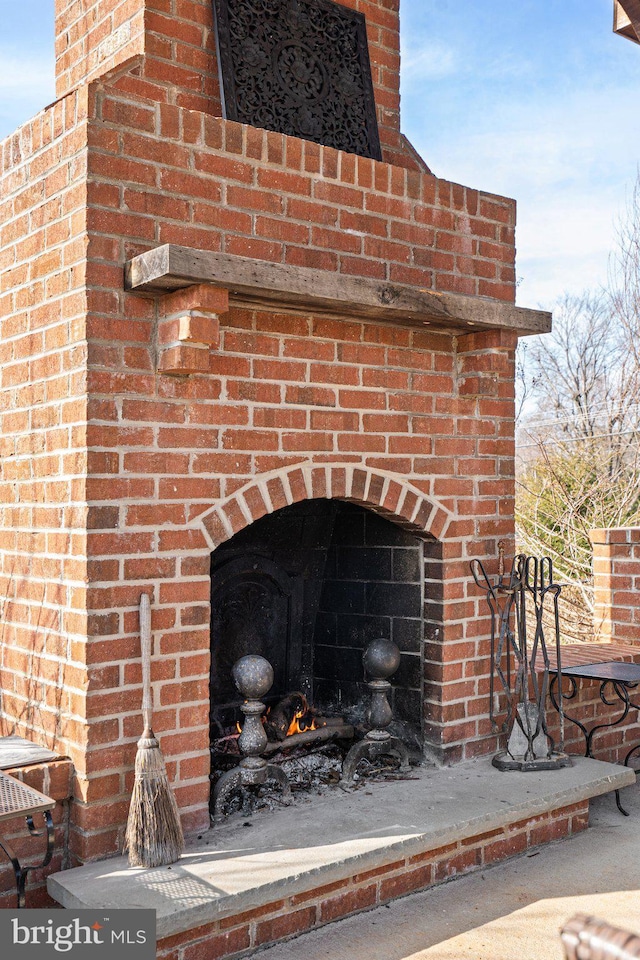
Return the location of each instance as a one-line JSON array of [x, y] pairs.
[[234, 868], [514, 911]]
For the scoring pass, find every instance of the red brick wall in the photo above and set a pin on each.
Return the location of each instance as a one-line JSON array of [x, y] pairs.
[[163, 174], [54, 779], [188, 462], [583, 703], [611, 745], [43, 426], [616, 581]]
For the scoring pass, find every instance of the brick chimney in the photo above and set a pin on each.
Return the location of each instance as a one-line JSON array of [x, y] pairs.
[[93, 37], [176, 43]]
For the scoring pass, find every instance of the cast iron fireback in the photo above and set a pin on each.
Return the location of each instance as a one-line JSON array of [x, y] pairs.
[[298, 67]]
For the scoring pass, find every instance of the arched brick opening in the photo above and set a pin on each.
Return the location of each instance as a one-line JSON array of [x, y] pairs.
[[381, 492], [243, 565]]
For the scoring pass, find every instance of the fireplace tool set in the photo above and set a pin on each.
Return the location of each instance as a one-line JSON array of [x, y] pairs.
[[518, 603], [253, 677]]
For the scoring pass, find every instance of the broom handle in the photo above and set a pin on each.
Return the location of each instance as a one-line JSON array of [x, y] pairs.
[[145, 648]]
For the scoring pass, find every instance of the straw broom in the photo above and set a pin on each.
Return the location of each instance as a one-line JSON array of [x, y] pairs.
[[154, 833]]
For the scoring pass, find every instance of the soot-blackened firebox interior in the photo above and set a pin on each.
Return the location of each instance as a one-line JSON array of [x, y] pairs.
[[308, 587]]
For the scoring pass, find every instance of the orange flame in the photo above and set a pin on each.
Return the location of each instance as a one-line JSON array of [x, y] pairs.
[[296, 727], [302, 722]]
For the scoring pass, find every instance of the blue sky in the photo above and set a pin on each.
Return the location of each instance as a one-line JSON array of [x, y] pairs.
[[534, 99]]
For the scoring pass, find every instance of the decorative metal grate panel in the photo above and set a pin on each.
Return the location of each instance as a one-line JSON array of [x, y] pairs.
[[17, 799], [298, 67]]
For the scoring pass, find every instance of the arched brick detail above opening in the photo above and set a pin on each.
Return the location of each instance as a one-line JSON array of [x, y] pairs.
[[381, 492]]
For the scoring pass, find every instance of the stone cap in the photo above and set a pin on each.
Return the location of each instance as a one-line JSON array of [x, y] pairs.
[[610, 535]]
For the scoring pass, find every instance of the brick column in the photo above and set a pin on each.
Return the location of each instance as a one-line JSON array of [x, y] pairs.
[[457, 649], [616, 584]]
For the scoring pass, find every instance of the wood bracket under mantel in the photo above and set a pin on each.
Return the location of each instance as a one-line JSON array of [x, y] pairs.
[[277, 286]]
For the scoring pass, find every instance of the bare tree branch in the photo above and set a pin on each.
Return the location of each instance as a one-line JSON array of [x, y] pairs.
[[579, 427]]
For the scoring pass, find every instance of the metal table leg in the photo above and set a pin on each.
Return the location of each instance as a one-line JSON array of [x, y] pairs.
[[621, 691], [21, 871]]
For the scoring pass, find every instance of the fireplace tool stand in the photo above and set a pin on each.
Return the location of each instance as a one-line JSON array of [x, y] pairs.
[[523, 673], [253, 676], [381, 659]]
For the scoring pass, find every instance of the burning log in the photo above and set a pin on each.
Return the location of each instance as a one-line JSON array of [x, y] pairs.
[[291, 715], [311, 738], [291, 724]]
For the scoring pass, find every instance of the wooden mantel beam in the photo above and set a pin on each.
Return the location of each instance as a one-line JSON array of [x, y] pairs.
[[277, 286]]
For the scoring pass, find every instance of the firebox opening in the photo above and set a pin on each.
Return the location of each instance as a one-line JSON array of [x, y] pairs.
[[308, 587]]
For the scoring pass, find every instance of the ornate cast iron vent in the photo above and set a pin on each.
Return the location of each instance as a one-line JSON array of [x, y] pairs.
[[298, 67]]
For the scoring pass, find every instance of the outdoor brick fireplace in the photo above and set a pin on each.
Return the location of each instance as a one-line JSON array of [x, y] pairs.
[[208, 327]]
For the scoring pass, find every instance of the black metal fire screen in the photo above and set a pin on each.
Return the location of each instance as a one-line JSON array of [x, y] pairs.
[[298, 67]]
